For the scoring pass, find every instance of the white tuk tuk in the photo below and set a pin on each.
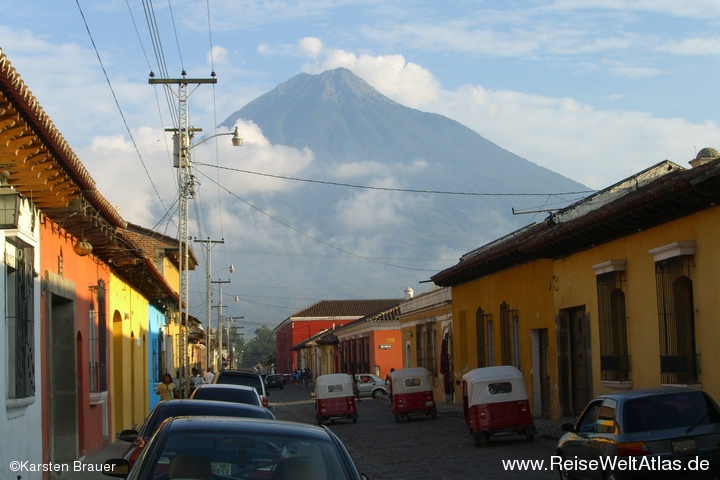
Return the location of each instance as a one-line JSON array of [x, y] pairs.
[[334, 398]]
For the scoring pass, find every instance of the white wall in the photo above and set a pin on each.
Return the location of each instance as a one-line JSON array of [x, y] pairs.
[[20, 420]]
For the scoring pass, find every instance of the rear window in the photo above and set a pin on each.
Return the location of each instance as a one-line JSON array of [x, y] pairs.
[[413, 382], [335, 388], [660, 412], [227, 395], [248, 380], [499, 387]]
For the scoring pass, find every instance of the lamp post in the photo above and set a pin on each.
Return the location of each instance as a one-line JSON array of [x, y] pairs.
[[182, 137], [208, 293], [230, 351]]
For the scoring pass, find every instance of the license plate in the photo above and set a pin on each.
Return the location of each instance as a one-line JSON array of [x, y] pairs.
[[223, 469], [684, 446]]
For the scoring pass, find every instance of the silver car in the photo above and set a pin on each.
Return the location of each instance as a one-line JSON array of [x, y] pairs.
[[371, 385], [670, 432]]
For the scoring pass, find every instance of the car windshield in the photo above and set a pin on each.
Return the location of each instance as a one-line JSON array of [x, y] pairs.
[[227, 395], [248, 380], [660, 412], [201, 454]]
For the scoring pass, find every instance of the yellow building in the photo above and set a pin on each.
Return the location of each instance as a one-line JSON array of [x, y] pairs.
[[128, 313], [427, 337], [613, 292]]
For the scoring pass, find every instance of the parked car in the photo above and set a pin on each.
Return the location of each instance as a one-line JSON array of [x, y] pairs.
[[228, 393], [371, 385], [243, 377], [176, 408], [274, 381], [213, 447], [656, 433]]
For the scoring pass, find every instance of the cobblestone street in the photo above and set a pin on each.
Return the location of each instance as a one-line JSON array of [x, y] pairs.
[[421, 448]]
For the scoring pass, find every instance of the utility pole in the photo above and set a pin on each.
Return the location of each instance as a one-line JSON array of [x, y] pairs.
[[181, 158], [220, 325], [208, 295]]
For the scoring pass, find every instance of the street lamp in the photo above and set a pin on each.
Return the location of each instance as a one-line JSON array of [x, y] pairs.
[[181, 155], [229, 339], [208, 293]]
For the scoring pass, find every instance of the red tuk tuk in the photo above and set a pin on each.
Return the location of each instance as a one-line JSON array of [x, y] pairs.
[[334, 398], [412, 393], [495, 402]]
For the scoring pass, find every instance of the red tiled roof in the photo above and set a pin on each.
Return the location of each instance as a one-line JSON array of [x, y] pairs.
[[345, 308]]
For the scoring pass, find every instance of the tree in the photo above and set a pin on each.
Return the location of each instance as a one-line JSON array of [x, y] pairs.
[[260, 347]]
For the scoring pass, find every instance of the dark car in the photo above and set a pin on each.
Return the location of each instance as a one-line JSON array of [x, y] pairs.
[[176, 408], [228, 393], [671, 432], [274, 381], [243, 377], [214, 447]]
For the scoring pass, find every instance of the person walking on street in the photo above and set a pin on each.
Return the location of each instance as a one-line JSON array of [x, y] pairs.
[[166, 389]]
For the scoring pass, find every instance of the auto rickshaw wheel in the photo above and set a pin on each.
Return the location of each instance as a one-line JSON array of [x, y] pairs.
[[480, 438], [529, 437], [397, 418], [354, 420]]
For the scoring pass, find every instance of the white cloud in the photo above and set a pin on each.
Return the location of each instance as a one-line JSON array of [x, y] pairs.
[[312, 46], [693, 47], [217, 56], [406, 82], [594, 147]]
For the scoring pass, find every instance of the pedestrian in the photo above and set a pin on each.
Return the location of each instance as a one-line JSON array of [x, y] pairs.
[[209, 376], [388, 382], [355, 387], [195, 380], [166, 389]]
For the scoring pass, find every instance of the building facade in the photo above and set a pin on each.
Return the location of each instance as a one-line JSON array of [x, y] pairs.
[[613, 292]]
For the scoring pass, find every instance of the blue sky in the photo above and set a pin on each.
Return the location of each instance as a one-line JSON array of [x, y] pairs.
[[595, 90]]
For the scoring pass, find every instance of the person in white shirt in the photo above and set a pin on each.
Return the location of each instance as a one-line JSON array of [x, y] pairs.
[[209, 376]]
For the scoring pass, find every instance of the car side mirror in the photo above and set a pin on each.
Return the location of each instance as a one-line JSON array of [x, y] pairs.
[[116, 467], [567, 427], [128, 435]]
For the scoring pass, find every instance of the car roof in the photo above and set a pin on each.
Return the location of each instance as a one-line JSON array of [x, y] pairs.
[[250, 425], [648, 392], [238, 373], [226, 386], [197, 404]]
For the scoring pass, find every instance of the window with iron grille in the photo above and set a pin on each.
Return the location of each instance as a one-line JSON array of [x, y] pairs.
[[489, 340], [679, 359], [510, 335], [98, 342], [483, 327], [425, 349], [614, 358], [19, 301]]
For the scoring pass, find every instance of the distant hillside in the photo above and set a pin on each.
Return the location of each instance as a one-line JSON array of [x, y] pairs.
[[342, 119]]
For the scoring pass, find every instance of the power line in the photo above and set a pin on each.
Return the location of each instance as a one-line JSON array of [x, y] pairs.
[[392, 189], [315, 239], [117, 102]]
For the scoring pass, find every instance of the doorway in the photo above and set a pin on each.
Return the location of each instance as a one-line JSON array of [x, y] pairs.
[[62, 385], [540, 372]]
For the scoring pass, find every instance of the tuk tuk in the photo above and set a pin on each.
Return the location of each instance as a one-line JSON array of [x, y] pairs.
[[334, 398], [495, 402], [412, 393]]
